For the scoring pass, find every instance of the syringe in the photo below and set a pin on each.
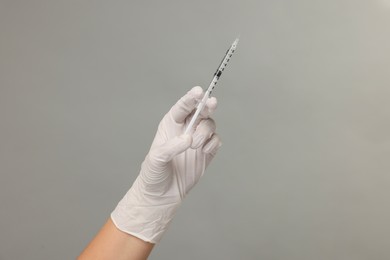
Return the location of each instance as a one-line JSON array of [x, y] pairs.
[[213, 82]]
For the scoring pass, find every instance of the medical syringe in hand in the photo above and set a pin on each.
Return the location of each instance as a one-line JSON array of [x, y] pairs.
[[213, 82]]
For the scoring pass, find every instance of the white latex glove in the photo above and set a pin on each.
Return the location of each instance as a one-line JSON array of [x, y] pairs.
[[172, 167]]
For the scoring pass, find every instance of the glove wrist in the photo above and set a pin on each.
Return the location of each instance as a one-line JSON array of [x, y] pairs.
[[132, 215]]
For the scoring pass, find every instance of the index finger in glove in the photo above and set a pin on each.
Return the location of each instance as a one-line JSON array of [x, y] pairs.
[[186, 104]]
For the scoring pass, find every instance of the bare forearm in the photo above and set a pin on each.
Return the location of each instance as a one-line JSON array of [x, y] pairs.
[[111, 243]]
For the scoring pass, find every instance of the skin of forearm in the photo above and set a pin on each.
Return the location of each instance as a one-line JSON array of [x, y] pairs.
[[112, 243]]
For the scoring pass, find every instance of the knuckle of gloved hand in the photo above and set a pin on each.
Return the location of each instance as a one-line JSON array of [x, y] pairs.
[[217, 141], [186, 103], [213, 145], [207, 126], [205, 113], [204, 131]]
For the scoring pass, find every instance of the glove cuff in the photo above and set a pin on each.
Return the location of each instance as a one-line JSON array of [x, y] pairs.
[[145, 221]]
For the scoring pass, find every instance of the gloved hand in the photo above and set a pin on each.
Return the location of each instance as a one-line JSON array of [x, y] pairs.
[[172, 167]]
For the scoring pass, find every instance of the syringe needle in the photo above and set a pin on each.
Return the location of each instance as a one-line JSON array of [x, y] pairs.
[[213, 82]]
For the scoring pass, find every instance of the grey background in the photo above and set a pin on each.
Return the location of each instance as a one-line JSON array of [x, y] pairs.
[[303, 114]]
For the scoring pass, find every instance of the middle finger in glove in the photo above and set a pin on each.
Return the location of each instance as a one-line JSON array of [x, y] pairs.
[[203, 132]]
